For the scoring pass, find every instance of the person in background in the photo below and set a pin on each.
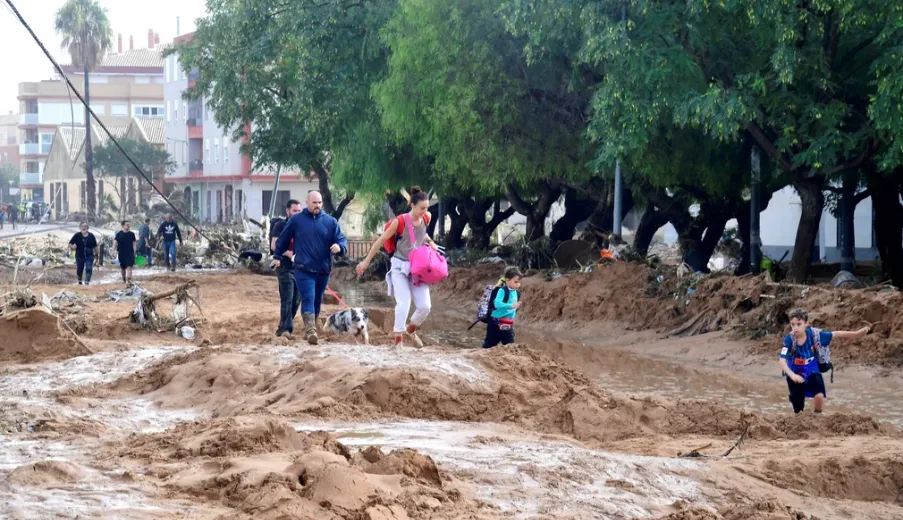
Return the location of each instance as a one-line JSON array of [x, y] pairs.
[[504, 305], [144, 238], [124, 244], [3, 211], [169, 231], [289, 295], [13, 215], [84, 243], [799, 359], [315, 237]]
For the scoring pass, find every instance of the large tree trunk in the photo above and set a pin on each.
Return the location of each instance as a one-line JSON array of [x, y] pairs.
[[651, 221], [536, 213], [577, 208], [886, 191], [847, 223], [90, 185], [326, 192], [813, 202], [455, 237], [481, 230], [600, 222]]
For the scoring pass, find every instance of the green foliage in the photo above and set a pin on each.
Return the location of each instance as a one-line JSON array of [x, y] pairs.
[[86, 31], [111, 163]]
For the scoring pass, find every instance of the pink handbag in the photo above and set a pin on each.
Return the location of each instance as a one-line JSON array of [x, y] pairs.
[[427, 265]]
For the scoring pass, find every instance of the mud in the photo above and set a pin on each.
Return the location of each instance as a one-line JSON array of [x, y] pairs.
[[584, 420]]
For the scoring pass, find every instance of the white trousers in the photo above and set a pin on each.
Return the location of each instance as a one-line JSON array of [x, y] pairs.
[[404, 290]]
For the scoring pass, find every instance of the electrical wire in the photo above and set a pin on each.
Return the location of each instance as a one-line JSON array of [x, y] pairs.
[[63, 75]]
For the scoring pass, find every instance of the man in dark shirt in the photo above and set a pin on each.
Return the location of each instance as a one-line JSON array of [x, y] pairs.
[[85, 246], [169, 231], [124, 244], [289, 296]]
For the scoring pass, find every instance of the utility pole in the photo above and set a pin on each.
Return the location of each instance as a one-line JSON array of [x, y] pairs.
[[755, 205], [275, 191], [619, 188]]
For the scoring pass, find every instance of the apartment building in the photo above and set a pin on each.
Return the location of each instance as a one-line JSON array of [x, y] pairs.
[[127, 84], [212, 174]]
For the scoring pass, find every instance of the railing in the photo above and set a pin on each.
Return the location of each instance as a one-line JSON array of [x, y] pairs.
[[358, 247], [30, 178], [29, 149], [28, 119]]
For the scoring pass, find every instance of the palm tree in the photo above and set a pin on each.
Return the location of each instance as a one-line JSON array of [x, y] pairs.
[[87, 36]]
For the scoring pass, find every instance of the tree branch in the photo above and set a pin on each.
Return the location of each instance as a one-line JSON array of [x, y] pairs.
[[863, 157], [769, 147], [857, 49], [517, 202], [861, 196]]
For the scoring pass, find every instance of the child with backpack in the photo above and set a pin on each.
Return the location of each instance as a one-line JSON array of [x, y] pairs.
[[499, 308], [805, 355]]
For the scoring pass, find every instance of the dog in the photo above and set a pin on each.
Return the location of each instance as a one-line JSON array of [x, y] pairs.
[[353, 320]]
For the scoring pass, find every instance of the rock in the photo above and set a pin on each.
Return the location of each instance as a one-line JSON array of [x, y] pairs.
[[846, 280]]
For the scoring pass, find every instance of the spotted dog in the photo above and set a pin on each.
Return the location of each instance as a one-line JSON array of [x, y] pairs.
[[350, 320]]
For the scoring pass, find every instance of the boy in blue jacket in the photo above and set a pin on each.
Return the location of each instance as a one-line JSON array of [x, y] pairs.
[[317, 236], [503, 304]]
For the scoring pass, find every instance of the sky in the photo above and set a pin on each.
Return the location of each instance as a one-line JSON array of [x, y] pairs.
[[23, 60]]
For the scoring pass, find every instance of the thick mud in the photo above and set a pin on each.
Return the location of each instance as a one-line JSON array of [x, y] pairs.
[[583, 420]]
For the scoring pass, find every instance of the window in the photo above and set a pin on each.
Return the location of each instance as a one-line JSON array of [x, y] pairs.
[[148, 111], [142, 80], [119, 109], [158, 80], [46, 141], [96, 78], [99, 109], [184, 112], [225, 153], [239, 202], [282, 198], [216, 150]]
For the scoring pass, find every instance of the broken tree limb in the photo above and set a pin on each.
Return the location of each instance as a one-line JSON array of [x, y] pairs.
[[738, 442], [171, 292], [695, 452], [145, 313]]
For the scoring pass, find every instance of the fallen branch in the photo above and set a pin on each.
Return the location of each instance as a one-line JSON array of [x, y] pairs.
[[145, 313], [694, 452], [738, 443]]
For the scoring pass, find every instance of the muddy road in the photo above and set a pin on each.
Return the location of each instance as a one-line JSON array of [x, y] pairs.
[[584, 419]]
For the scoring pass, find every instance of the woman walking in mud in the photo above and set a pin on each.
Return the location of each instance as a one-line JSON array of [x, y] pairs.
[[401, 286]]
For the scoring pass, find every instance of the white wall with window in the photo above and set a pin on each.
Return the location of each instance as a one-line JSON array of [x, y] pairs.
[[216, 150], [148, 111], [99, 108], [52, 113], [46, 141], [119, 109], [142, 80]]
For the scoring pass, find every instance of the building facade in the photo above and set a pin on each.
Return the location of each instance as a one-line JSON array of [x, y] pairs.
[[127, 84], [215, 179]]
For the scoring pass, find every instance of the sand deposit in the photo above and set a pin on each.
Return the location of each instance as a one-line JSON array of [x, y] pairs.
[[585, 423]]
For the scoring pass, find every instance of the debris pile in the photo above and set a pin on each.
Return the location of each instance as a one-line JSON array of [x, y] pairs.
[[147, 316]]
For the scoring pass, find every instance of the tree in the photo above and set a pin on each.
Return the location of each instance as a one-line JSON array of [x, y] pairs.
[[87, 37], [113, 167], [461, 89], [296, 76]]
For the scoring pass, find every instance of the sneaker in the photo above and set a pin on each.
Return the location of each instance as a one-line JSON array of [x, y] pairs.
[[172, 268], [279, 332]]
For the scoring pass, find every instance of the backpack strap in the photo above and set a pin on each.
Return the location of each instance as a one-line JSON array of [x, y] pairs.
[[507, 293]]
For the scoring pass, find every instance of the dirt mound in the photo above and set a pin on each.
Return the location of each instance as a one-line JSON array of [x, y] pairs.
[[264, 469], [872, 479], [636, 296], [765, 510], [229, 438], [48, 473], [33, 335]]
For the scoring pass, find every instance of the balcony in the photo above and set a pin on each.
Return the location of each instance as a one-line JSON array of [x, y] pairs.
[[196, 169], [30, 179], [29, 149], [28, 119]]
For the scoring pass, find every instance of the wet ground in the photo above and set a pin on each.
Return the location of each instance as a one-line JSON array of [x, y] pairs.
[[521, 473]]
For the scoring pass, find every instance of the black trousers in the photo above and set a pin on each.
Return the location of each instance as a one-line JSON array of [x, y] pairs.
[[495, 335], [289, 297]]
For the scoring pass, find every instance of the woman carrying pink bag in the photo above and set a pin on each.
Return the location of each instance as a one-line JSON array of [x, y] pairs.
[[406, 239]]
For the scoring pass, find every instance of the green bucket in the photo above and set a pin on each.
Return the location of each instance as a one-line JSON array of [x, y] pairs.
[[140, 261]]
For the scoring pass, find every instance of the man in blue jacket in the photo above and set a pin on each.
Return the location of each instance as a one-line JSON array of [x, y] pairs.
[[317, 236]]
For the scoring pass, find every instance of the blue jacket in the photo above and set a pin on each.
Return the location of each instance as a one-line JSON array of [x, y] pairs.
[[313, 236], [503, 309]]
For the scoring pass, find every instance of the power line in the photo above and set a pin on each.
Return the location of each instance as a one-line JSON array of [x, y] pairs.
[[102, 125]]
